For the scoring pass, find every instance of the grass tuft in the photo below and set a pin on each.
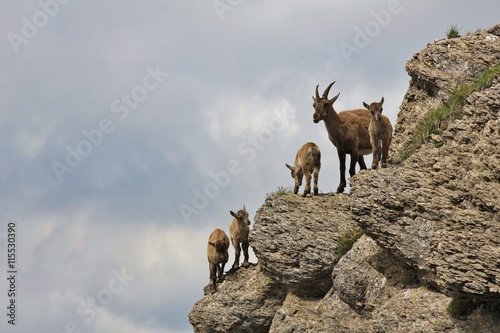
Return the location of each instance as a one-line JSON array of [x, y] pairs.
[[347, 240], [453, 32], [281, 190], [460, 307]]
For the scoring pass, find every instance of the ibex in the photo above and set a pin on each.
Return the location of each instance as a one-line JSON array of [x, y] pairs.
[[239, 230], [307, 162], [217, 254], [347, 130], [380, 130]]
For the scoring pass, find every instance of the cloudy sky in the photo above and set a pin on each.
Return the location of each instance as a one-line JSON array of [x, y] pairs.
[[131, 128]]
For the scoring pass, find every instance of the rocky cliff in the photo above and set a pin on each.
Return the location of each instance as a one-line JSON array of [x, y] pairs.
[[430, 221]]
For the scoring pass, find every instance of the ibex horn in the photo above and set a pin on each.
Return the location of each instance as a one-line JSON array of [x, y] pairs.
[[317, 94], [327, 90]]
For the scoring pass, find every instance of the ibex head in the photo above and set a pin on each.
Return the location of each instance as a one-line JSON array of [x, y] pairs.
[[241, 216], [375, 109], [220, 245], [295, 171], [322, 105]]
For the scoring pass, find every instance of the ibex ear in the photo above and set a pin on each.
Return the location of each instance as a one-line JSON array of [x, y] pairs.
[[289, 167], [382, 100], [366, 105], [334, 98], [233, 214]]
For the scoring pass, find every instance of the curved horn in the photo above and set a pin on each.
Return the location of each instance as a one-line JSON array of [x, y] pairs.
[[317, 94], [334, 98], [382, 100], [327, 90]]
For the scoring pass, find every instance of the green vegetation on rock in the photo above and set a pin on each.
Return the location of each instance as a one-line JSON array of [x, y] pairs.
[[347, 240], [435, 121]]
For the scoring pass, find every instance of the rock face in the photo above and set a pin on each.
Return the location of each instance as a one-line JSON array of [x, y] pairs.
[[431, 223], [435, 72], [438, 212], [372, 292], [295, 240], [244, 302], [446, 224]]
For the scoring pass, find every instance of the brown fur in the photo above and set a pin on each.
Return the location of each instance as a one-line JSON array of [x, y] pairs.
[[239, 230], [380, 130], [347, 130], [307, 162], [217, 253]]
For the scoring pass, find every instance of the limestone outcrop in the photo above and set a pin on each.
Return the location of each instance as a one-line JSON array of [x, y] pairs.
[[431, 226]]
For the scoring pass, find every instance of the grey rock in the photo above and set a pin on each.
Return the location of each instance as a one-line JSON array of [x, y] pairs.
[[363, 299], [438, 211], [435, 72], [295, 239], [245, 302], [431, 223]]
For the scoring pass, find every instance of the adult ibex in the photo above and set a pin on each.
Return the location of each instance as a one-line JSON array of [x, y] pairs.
[[347, 130]]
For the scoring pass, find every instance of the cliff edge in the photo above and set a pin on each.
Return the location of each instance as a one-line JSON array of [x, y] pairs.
[[428, 260]]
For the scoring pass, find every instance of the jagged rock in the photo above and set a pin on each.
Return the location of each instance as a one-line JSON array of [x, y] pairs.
[[439, 211], [435, 72], [361, 277], [432, 229], [388, 304], [245, 302], [295, 239]]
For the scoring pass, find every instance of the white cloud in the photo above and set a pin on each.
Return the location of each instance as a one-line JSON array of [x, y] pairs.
[[242, 116], [29, 143]]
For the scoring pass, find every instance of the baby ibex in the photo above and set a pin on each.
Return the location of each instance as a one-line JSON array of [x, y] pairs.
[[238, 231], [380, 130], [217, 254], [307, 162]]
